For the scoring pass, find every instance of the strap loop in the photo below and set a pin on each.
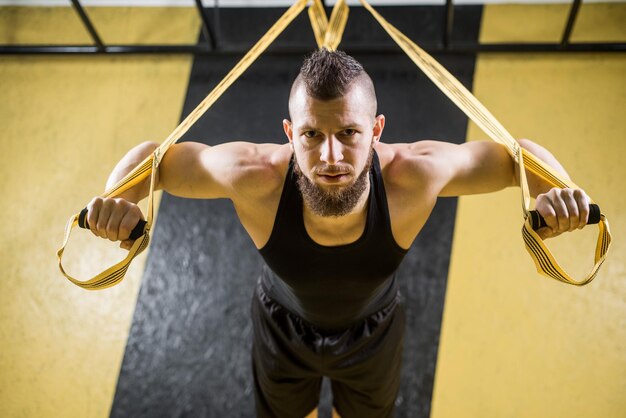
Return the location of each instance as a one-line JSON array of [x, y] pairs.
[[115, 274], [328, 35], [465, 100]]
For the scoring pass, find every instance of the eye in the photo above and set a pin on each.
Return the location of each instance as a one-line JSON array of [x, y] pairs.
[[349, 132], [309, 134]]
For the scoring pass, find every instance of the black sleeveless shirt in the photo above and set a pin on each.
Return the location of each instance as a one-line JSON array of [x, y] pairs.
[[331, 287]]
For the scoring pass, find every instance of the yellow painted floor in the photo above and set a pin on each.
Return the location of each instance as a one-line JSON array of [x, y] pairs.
[[515, 344], [64, 123]]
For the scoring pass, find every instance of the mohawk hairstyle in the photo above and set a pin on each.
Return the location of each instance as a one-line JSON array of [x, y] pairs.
[[327, 74]]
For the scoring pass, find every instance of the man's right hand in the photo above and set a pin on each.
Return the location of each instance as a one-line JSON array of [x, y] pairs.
[[113, 219]]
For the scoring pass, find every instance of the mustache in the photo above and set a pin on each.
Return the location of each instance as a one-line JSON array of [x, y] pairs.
[[332, 170]]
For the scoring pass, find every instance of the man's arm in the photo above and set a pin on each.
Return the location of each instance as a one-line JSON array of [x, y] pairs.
[[195, 170], [483, 167], [235, 170]]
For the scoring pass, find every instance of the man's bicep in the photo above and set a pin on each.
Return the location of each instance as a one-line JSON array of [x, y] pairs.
[[195, 170], [476, 167]]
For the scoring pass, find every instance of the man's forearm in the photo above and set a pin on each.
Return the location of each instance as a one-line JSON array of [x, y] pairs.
[[132, 158], [536, 184]]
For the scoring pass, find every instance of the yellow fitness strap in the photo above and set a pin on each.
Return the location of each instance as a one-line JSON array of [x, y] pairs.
[[328, 35], [451, 87], [148, 167]]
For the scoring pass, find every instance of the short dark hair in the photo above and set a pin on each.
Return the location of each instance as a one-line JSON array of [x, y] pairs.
[[327, 75]]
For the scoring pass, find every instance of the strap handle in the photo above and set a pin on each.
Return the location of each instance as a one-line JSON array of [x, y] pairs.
[[115, 274], [451, 87]]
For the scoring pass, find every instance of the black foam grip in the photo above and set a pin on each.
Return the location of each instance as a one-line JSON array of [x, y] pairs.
[[537, 221], [137, 231]]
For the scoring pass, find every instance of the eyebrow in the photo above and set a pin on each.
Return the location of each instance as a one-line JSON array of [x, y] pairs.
[[308, 127]]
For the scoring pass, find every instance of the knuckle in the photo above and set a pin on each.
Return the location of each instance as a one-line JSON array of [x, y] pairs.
[[96, 201], [108, 202]]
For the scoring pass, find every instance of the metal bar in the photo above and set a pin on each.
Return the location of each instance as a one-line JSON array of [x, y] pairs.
[[206, 26], [90, 28], [448, 23], [241, 49], [571, 19], [217, 20]]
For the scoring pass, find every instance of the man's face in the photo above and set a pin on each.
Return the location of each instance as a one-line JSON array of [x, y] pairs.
[[332, 143]]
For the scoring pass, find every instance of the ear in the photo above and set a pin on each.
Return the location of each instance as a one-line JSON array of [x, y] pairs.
[[379, 125], [287, 127]]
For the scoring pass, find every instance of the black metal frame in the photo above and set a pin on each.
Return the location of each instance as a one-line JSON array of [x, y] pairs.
[[214, 47]]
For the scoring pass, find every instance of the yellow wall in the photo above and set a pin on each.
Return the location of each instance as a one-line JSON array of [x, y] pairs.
[[516, 344], [64, 123]]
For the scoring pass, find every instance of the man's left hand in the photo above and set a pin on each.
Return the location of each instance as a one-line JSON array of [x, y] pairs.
[[563, 209]]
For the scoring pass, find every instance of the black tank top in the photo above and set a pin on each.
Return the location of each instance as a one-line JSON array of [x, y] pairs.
[[331, 287]]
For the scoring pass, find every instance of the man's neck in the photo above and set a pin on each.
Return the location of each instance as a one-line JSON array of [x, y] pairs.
[[338, 230]]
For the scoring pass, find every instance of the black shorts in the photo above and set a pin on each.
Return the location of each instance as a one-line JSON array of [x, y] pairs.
[[290, 357]]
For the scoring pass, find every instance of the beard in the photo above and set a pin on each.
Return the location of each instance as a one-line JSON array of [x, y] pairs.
[[336, 201]]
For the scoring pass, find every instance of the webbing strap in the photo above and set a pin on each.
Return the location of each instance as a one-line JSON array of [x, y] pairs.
[[451, 87], [115, 274], [328, 35]]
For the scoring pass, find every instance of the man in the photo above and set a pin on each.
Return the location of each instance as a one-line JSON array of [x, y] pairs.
[[332, 212]]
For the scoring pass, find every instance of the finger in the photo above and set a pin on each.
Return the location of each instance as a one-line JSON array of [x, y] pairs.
[[549, 215], [127, 244], [572, 208], [545, 232], [582, 201], [128, 222], [115, 219], [562, 217], [93, 212], [103, 218]]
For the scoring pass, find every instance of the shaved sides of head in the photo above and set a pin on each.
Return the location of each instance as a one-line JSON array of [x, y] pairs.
[[328, 75]]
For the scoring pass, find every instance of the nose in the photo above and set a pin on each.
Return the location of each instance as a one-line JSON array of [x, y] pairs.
[[331, 152]]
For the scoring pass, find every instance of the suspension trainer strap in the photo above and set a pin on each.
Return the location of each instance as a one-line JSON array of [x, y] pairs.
[[328, 35], [115, 274], [451, 87]]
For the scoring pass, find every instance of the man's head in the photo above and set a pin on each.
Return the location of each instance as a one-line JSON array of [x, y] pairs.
[[326, 75], [333, 130]]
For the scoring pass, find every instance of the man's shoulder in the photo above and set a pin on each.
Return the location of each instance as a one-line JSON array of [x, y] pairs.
[[261, 168], [269, 159], [410, 164], [409, 173]]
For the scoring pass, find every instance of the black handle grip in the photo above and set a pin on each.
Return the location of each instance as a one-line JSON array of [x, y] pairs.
[[537, 221], [137, 231]]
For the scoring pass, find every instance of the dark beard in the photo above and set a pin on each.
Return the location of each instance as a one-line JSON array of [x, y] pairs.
[[332, 202]]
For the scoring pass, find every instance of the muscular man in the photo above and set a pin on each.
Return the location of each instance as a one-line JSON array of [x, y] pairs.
[[332, 212]]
